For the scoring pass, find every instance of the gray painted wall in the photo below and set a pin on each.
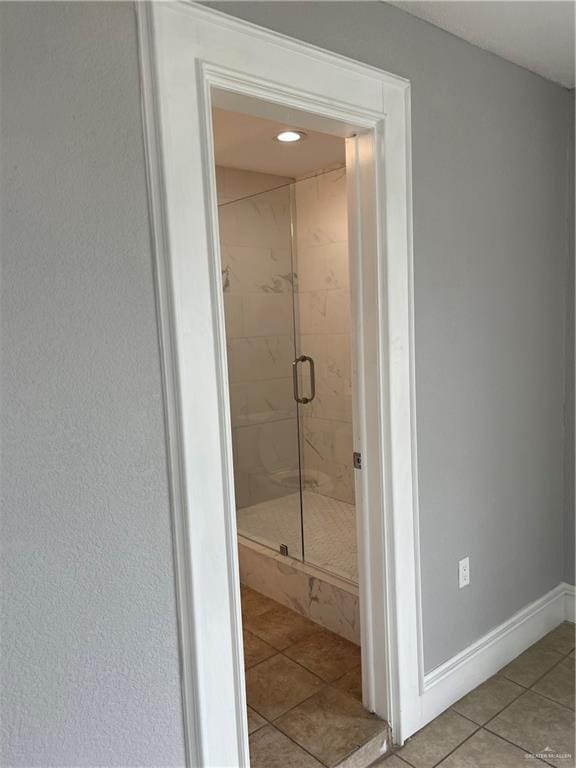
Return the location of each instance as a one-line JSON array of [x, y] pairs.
[[570, 360], [489, 164], [89, 660]]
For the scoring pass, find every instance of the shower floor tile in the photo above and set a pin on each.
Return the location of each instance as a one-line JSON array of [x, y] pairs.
[[329, 530]]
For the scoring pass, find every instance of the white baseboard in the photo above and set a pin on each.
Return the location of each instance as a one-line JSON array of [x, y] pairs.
[[447, 683], [570, 599]]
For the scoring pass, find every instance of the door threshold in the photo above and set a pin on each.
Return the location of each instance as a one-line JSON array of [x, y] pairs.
[[369, 753]]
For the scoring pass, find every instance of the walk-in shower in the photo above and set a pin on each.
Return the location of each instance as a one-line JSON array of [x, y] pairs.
[[285, 279]]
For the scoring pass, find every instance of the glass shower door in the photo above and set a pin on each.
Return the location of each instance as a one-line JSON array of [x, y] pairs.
[[287, 304], [323, 344], [258, 285]]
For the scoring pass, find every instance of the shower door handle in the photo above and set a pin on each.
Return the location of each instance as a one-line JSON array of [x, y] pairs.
[[310, 361]]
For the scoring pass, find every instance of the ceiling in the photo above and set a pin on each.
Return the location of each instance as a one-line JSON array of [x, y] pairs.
[[536, 34], [248, 142]]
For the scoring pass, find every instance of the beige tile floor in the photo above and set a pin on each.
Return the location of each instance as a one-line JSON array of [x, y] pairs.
[[303, 687], [527, 709], [304, 693]]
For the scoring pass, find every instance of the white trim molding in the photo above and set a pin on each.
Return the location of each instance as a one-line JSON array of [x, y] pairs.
[[570, 602], [190, 57], [456, 677]]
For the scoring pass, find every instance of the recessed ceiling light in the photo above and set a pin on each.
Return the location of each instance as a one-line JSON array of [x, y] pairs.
[[288, 137]]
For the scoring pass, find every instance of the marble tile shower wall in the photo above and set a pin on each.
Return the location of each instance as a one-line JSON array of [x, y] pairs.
[[257, 275], [323, 315], [259, 259]]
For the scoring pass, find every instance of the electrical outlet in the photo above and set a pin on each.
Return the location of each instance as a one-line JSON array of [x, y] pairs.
[[464, 572]]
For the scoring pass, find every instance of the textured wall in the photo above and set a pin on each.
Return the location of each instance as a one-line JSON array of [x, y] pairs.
[[89, 669], [89, 664], [570, 356], [489, 186]]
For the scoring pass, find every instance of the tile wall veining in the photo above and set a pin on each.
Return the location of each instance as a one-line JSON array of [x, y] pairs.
[[258, 270], [257, 276], [323, 315], [327, 600]]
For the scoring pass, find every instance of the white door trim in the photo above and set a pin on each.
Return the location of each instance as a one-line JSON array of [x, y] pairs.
[[185, 50]]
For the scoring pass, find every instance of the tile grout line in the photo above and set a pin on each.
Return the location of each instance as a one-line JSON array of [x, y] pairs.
[[499, 712], [478, 728], [562, 658], [481, 727], [538, 679], [299, 745], [324, 685], [273, 722], [434, 765], [512, 744], [525, 690], [535, 693], [552, 701], [504, 738]]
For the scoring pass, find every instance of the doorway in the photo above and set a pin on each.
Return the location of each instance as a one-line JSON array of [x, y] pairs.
[[193, 59], [284, 256]]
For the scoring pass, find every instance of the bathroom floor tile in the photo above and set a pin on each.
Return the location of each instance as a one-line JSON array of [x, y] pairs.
[[530, 665], [524, 723], [254, 721], [485, 750], [558, 684], [351, 683], [255, 650], [536, 724], [325, 654], [271, 749], [330, 725], [481, 704], [435, 741], [280, 627], [276, 685], [253, 603], [391, 761], [560, 639]]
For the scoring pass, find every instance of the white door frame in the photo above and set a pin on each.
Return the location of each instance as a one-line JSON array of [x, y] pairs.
[[187, 51]]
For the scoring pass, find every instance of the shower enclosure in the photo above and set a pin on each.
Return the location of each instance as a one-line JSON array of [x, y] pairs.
[[287, 305]]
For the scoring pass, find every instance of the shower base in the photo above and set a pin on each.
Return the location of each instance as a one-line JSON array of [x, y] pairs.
[[329, 530], [324, 587]]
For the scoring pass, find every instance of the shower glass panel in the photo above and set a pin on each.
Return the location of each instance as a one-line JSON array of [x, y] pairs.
[[257, 279], [287, 303], [322, 300]]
